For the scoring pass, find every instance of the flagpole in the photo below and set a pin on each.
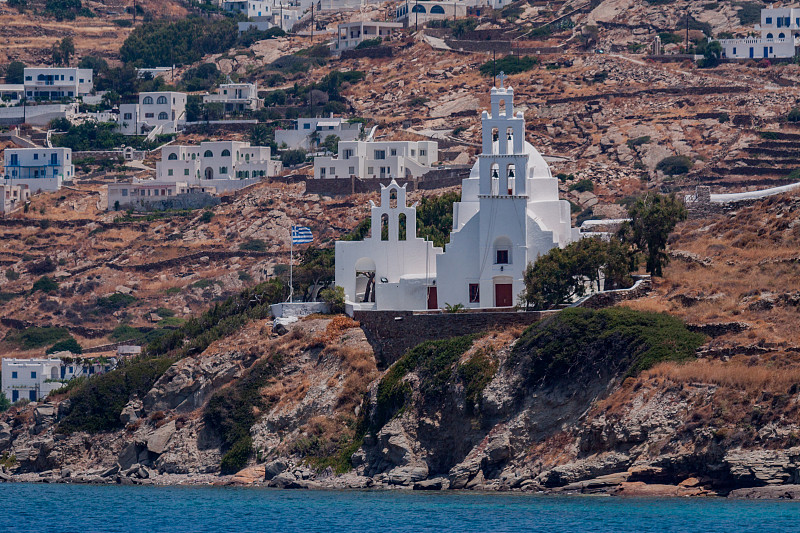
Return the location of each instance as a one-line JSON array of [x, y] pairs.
[[291, 264]]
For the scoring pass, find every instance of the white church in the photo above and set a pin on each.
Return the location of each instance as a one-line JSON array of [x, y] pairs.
[[509, 215]]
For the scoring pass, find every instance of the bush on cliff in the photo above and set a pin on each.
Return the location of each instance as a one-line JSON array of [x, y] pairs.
[[582, 344], [435, 362], [97, 403], [231, 412]]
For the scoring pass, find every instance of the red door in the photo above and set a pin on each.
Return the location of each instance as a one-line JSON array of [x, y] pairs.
[[502, 295], [433, 301]]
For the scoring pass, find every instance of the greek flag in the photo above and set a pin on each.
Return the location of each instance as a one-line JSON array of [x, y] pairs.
[[301, 235]]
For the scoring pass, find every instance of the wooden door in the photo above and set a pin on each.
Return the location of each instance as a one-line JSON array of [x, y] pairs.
[[503, 295], [433, 300]]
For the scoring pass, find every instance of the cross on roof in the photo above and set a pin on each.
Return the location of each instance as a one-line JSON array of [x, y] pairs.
[[502, 76]]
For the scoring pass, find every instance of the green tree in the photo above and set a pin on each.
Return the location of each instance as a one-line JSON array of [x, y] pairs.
[[69, 345], [331, 143], [261, 135], [67, 48], [653, 218], [563, 274], [5, 403], [293, 157], [15, 72], [712, 54]]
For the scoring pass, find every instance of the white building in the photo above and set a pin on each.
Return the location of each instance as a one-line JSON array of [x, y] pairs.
[[161, 111], [509, 215], [378, 160], [12, 197], [236, 97], [41, 169], [51, 83], [137, 192], [250, 8], [34, 379], [780, 37], [226, 165], [392, 268], [11, 92], [312, 131], [351, 34], [421, 11]]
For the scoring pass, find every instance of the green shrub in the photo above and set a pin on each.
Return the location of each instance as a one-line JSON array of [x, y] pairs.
[[369, 43], [12, 275], [254, 245], [35, 337], [333, 297], [5, 403], [581, 344], [231, 412], [290, 158], [97, 403], [749, 13], [206, 217], [675, 165], [476, 374], [638, 141], [584, 185], [794, 115], [115, 302], [670, 38], [69, 345], [433, 361], [45, 284], [510, 64]]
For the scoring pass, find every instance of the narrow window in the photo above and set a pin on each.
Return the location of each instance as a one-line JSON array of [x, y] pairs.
[[474, 293], [502, 257], [384, 227], [401, 231]]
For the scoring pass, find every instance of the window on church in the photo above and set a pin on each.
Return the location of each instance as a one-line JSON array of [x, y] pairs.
[[502, 257], [392, 198], [384, 227], [401, 227], [474, 293]]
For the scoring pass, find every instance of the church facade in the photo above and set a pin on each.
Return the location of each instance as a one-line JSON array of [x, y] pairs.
[[509, 215]]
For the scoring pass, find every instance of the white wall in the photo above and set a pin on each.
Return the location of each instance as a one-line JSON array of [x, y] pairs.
[[42, 169], [401, 159]]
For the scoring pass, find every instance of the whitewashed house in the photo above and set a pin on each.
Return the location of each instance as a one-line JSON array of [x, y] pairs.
[[350, 34], [236, 97], [378, 160], [12, 197], [161, 111], [779, 37], [40, 169], [11, 93], [392, 268], [509, 215], [34, 379], [124, 195], [309, 132], [420, 12], [249, 8], [55, 83], [226, 165]]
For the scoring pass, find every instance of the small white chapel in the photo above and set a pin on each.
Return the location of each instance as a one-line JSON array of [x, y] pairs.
[[509, 215]]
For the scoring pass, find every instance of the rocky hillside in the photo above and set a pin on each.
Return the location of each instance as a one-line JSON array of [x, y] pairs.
[[621, 400]]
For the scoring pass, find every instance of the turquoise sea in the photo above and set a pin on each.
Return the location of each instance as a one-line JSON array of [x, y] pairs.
[[83, 509]]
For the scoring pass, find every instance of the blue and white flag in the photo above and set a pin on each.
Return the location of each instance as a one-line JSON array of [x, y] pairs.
[[301, 235]]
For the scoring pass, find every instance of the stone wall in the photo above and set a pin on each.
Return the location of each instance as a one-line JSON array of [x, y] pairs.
[[391, 333], [604, 299], [372, 52]]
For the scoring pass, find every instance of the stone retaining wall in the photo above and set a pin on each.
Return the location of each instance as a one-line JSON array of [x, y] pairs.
[[391, 333]]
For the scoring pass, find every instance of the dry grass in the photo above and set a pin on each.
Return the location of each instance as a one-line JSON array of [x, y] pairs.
[[734, 375]]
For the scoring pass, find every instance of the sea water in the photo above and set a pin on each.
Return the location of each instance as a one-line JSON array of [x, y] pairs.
[[84, 508]]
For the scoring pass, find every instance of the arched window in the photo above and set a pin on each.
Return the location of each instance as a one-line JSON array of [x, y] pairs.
[[163, 116], [401, 231], [511, 174], [208, 153], [769, 36], [437, 9], [147, 100], [41, 77], [495, 175], [384, 227], [226, 153], [172, 157], [502, 251], [781, 35], [162, 100], [418, 9]]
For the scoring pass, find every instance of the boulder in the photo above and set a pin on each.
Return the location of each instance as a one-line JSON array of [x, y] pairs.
[[284, 480], [157, 443], [129, 456], [249, 475], [771, 492], [437, 483], [133, 411], [273, 468], [498, 449], [406, 475]]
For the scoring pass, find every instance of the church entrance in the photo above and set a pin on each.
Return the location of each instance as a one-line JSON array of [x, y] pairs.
[[209, 173], [433, 298], [503, 295]]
